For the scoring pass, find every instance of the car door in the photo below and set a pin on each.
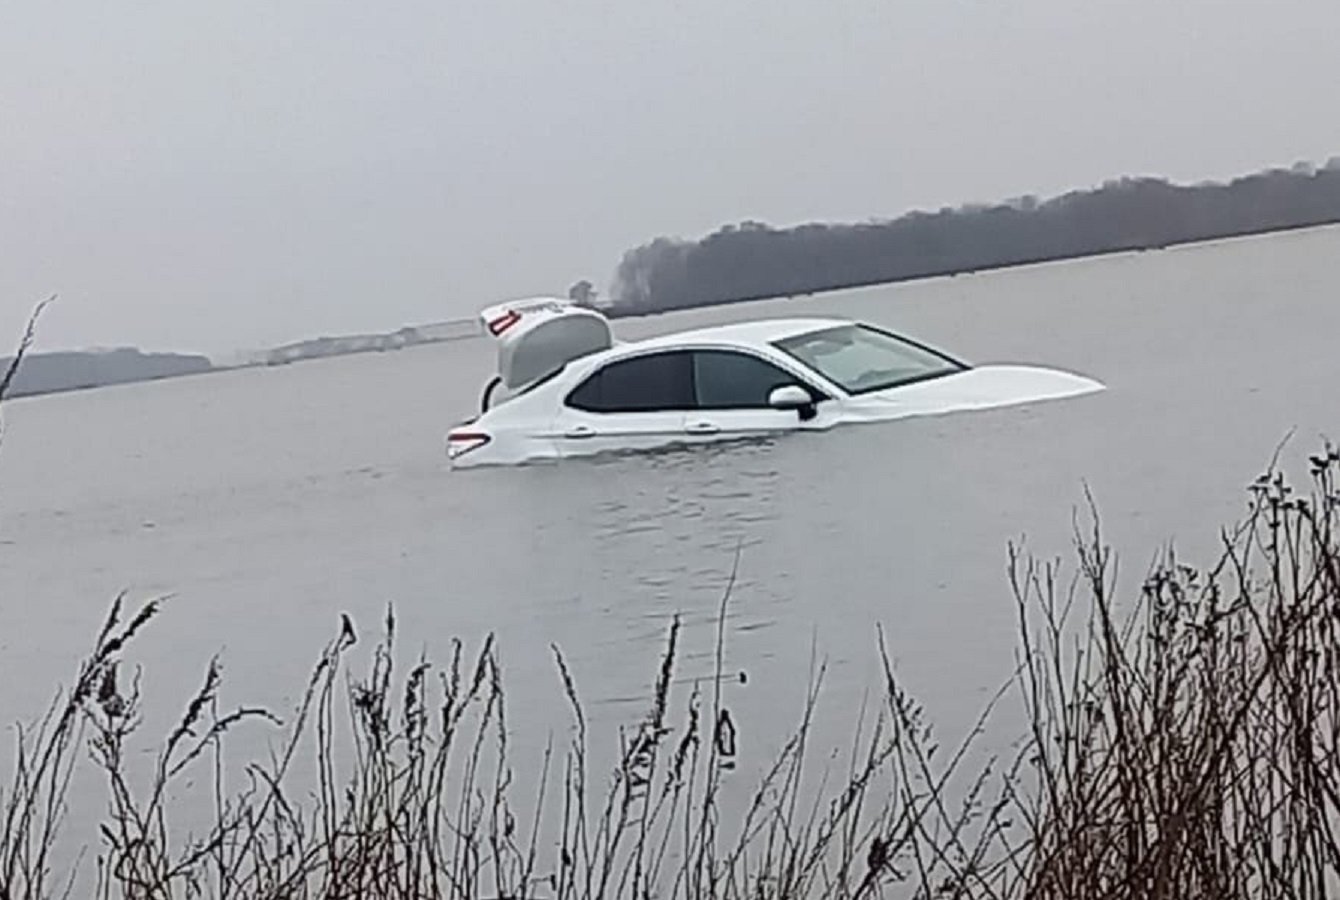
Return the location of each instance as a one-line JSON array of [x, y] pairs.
[[731, 390], [632, 403]]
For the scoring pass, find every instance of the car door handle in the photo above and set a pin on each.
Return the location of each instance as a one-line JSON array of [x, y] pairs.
[[577, 432], [702, 428]]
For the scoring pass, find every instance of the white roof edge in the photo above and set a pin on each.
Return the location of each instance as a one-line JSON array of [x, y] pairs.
[[757, 331]]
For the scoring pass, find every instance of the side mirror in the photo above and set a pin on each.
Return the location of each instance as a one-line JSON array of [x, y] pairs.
[[792, 397]]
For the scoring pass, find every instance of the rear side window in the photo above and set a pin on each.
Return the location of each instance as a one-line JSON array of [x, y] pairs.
[[652, 383], [725, 379]]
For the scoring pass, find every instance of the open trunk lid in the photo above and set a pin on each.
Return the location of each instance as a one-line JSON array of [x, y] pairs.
[[540, 335]]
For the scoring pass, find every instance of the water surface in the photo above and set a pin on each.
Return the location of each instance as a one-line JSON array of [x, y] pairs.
[[268, 501]]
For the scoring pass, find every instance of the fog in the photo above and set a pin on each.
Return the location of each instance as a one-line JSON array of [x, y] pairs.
[[212, 177]]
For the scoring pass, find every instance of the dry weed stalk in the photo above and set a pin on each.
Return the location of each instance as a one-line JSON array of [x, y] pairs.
[[25, 343], [1189, 747], [1185, 746]]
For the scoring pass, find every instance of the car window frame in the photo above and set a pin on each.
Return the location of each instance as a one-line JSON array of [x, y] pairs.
[[817, 394], [785, 364], [599, 370]]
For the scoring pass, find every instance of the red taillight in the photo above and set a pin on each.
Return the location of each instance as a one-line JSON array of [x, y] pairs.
[[504, 322], [460, 443]]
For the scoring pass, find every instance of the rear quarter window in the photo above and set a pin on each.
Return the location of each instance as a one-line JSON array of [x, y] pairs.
[[654, 382]]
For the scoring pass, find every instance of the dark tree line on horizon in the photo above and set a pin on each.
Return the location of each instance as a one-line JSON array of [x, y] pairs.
[[753, 260], [48, 373]]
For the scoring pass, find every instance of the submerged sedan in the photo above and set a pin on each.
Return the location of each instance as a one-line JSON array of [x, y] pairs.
[[566, 388]]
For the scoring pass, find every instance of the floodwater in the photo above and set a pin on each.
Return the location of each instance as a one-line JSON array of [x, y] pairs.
[[267, 502]]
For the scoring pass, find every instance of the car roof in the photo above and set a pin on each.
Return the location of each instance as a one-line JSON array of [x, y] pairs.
[[752, 333]]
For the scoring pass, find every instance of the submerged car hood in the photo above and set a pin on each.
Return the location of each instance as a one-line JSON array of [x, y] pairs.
[[981, 387]]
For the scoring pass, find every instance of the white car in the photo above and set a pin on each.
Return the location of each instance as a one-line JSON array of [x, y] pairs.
[[565, 387]]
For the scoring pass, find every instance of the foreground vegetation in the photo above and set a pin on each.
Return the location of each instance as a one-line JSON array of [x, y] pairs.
[[1182, 743]]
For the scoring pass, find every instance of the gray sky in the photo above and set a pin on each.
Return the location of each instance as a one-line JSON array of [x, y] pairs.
[[212, 176]]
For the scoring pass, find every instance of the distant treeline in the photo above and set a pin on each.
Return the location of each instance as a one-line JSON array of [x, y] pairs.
[[753, 260], [45, 373]]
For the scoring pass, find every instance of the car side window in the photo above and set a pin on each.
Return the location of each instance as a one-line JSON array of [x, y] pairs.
[[654, 382], [727, 379]]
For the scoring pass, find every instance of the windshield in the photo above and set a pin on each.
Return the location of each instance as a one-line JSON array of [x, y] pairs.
[[861, 359]]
